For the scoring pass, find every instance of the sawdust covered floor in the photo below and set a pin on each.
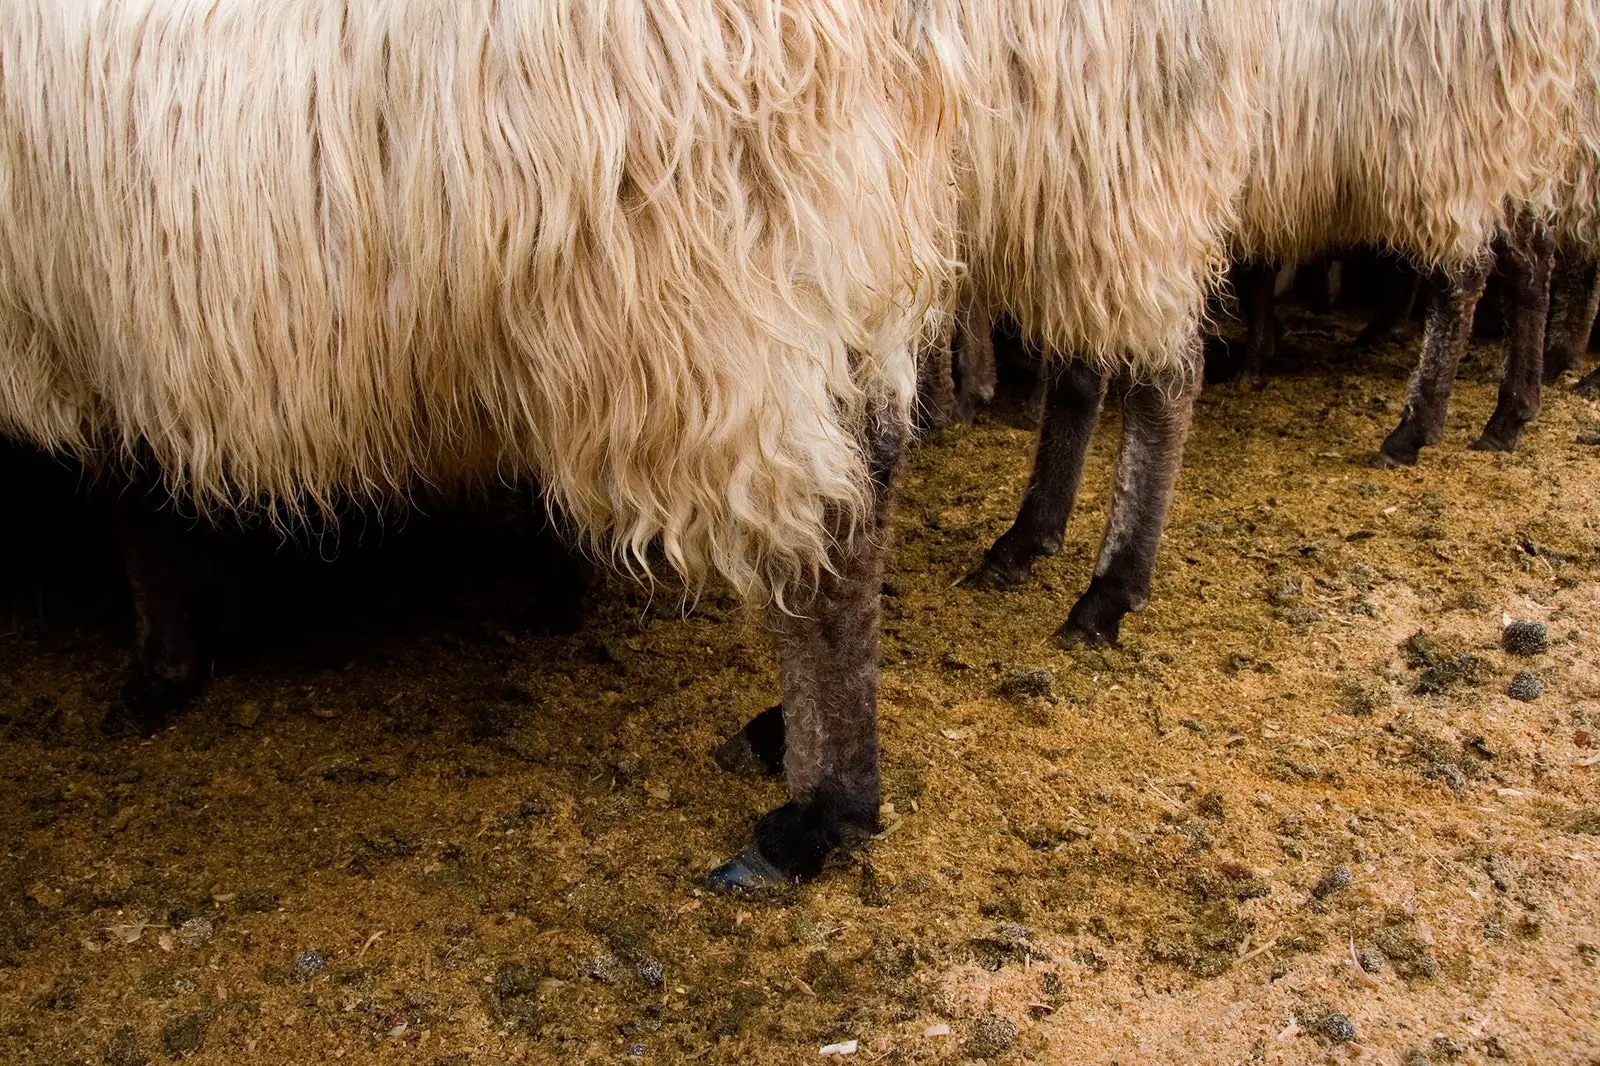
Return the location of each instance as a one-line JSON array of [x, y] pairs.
[[1267, 828]]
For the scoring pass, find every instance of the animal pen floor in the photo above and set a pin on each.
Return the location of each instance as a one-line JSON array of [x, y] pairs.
[[464, 843]]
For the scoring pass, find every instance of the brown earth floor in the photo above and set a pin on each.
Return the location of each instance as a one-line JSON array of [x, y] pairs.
[[493, 842]]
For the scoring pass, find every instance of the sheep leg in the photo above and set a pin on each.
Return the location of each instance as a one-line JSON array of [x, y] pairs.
[[1589, 384], [1530, 254], [1574, 302], [936, 388], [166, 664], [1452, 297], [1155, 424], [828, 667], [757, 749], [1074, 391], [1391, 320], [1258, 304], [973, 363]]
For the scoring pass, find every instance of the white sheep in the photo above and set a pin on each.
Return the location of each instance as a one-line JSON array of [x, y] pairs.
[[671, 259]]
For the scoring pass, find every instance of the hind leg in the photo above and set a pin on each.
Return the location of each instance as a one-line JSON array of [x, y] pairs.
[[1530, 251], [1074, 391], [828, 667], [973, 361], [1257, 287], [1574, 302], [1155, 425], [1452, 297], [1397, 298], [165, 671]]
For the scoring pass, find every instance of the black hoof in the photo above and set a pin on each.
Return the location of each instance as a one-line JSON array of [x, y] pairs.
[[748, 871], [1589, 386], [1403, 444], [757, 749], [996, 577], [1076, 634], [127, 720], [1381, 460], [147, 700], [1493, 442], [1095, 621]]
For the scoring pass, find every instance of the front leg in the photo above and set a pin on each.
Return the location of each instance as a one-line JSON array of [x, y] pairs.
[[828, 669], [1452, 297], [1155, 424], [1074, 391], [1530, 251]]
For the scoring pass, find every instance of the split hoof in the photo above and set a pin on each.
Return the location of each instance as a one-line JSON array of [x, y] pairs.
[[1382, 460], [125, 721], [994, 577], [748, 871], [757, 749], [1493, 442], [1078, 634]]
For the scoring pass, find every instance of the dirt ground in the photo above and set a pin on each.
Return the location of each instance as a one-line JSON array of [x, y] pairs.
[[1271, 827]]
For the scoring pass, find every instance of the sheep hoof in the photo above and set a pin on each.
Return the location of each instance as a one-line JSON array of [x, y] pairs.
[[997, 577], [1493, 442], [1589, 386], [1074, 634], [757, 749], [748, 871], [1402, 446], [127, 719]]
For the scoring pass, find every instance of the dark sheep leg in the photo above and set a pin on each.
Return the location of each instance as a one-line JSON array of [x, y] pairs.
[[1074, 392], [1452, 297], [1397, 298], [828, 668], [165, 671], [1574, 302], [1530, 252], [1258, 304], [936, 388], [973, 362], [1155, 425]]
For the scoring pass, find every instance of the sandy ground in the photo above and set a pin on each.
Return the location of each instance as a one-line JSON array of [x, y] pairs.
[[462, 842]]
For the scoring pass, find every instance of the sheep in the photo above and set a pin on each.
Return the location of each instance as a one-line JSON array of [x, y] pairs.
[[1102, 162], [1431, 130], [1428, 129], [670, 259], [1575, 295]]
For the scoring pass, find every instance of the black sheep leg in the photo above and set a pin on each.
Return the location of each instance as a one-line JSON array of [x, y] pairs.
[[1155, 425], [1258, 303], [1073, 394], [1574, 302], [166, 662], [1397, 298], [828, 668], [1452, 297], [1529, 255]]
